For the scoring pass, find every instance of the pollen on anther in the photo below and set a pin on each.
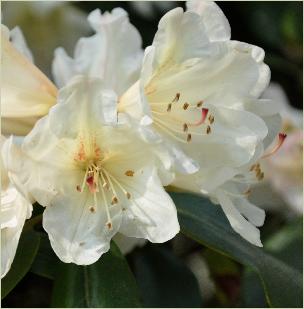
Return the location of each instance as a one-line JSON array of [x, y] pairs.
[[185, 106], [211, 119], [78, 188], [208, 130], [176, 98], [114, 200], [169, 107], [128, 195], [189, 137], [200, 103], [129, 173], [92, 209], [109, 225], [185, 127]]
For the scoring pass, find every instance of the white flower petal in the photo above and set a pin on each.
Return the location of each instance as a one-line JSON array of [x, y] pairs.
[[237, 221], [151, 213], [113, 54], [15, 209], [215, 22], [86, 237], [17, 39], [26, 94], [254, 214]]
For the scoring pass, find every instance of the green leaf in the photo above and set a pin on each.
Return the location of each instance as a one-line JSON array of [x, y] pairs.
[[26, 251], [287, 245], [107, 283], [206, 223], [46, 261], [164, 280]]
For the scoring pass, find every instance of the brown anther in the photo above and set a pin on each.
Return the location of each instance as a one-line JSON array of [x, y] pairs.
[[81, 243], [169, 107], [114, 200], [261, 176], [78, 188], [185, 106], [208, 130], [211, 119], [129, 173], [252, 167], [185, 127], [128, 195], [200, 103], [176, 98], [248, 192], [109, 225], [189, 137], [92, 209]]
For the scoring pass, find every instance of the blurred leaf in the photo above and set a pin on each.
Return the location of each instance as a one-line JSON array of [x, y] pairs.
[[26, 251], [107, 283], [219, 264], [252, 293], [286, 245], [164, 280], [46, 261], [206, 223]]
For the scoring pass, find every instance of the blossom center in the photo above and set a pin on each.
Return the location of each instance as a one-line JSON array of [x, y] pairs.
[[100, 182]]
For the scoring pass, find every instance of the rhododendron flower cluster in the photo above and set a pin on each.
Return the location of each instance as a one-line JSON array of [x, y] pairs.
[[122, 123]]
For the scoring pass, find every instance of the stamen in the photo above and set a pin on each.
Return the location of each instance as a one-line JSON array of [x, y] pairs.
[[84, 181], [189, 137], [211, 119], [200, 103], [127, 194], [114, 200], [282, 137], [208, 130], [176, 98], [185, 106], [129, 173], [109, 222], [185, 127], [252, 167], [260, 176], [203, 117], [169, 107]]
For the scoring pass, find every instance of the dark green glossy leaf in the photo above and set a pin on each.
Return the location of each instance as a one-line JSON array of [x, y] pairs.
[[287, 245], [46, 261], [206, 223], [107, 283], [164, 280], [26, 252]]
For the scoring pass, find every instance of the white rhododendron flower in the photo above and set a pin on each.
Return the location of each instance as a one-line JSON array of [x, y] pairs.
[[93, 175], [198, 96], [26, 93], [15, 209]]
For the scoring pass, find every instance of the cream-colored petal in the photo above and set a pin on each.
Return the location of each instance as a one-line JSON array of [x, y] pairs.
[[150, 213], [26, 93], [77, 234], [15, 209], [113, 54], [237, 221], [215, 22]]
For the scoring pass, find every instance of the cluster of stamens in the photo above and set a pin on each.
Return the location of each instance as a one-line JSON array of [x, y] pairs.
[[186, 127], [98, 180], [256, 168]]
